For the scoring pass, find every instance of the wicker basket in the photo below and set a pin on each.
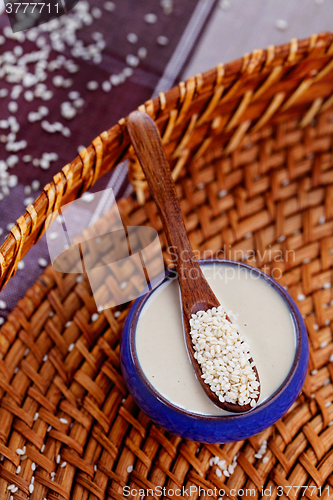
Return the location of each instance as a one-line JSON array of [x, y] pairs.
[[250, 144]]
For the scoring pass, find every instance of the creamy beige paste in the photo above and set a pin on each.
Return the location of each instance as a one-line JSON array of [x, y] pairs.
[[263, 319]]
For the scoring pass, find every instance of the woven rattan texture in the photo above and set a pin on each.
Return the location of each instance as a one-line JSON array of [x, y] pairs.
[[262, 193]]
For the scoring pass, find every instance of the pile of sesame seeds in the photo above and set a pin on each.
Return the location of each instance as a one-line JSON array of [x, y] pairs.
[[42, 61], [224, 357]]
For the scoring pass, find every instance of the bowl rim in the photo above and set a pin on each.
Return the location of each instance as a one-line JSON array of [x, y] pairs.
[[131, 324]]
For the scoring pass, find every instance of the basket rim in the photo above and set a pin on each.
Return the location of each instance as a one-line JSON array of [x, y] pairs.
[[112, 146]]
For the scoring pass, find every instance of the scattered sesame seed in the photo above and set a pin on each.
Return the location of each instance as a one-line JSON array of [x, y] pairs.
[[327, 285], [258, 455], [31, 488], [18, 470], [33, 466], [45, 358], [218, 472], [224, 4], [63, 420], [63, 464], [281, 24], [42, 448], [301, 297], [265, 460], [314, 372], [42, 262], [19, 451], [12, 106], [132, 38], [95, 317], [162, 40], [3, 304], [106, 86], [129, 468], [36, 416], [142, 52], [88, 197], [92, 85], [58, 459], [281, 238], [28, 201], [132, 60], [109, 6], [150, 18], [35, 185]]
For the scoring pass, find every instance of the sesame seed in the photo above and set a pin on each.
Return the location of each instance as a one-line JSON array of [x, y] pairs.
[[88, 197], [45, 358], [132, 60], [10, 487], [31, 488], [301, 297], [129, 468], [218, 472], [162, 40], [58, 459], [35, 185], [33, 466], [36, 416], [224, 4], [92, 85], [142, 52], [258, 455], [73, 94], [265, 460], [132, 38], [63, 464], [150, 18], [19, 451], [3, 304], [18, 470], [42, 262], [106, 86], [63, 420], [109, 6], [28, 201], [28, 95], [13, 106], [42, 448], [281, 24]]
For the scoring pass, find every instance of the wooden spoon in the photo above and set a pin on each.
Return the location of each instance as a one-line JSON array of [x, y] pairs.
[[196, 293]]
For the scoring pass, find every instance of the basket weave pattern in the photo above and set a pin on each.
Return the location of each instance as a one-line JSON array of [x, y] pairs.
[[250, 144]]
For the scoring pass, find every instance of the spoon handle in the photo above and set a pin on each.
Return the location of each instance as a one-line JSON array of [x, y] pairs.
[[148, 146]]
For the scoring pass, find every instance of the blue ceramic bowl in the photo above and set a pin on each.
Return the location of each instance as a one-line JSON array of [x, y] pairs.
[[214, 429]]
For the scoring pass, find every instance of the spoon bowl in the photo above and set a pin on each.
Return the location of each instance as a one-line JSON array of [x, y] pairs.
[[196, 294]]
